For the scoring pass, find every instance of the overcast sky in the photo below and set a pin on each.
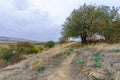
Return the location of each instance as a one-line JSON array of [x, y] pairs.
[[39, 20]]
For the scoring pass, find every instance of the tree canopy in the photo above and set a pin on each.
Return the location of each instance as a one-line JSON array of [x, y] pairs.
[[90, 19]]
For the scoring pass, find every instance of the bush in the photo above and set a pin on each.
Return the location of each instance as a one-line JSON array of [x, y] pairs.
[[35, 50], [17, 50], [41, 68], [50, 44], [7, 54], [40, 48], [26, 48]]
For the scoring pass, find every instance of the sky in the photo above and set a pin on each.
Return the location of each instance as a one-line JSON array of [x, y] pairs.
[[39, 20]]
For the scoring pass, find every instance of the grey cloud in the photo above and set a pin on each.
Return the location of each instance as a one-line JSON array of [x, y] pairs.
[[21, 4], [33, 25]]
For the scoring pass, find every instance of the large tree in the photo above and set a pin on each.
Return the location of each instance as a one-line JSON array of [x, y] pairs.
[[90, 19]]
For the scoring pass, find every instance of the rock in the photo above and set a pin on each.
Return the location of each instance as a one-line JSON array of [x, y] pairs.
[[97, 75]]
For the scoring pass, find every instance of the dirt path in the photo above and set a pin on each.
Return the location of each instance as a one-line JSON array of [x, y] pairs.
[[63, 72]]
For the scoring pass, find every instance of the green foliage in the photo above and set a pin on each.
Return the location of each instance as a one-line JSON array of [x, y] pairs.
[[96, 58], [41, 48], [77, 53], [68, 53], [97, 64], [97, 54], [70, 50], [26, 48], [80, 61], [111, 63], [50, 44], [35, 50], [7, 55], [41, 68], [88, 20], [108, 73], [18, 49]]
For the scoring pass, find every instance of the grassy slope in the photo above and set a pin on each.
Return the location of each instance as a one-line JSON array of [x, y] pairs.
[[61, 66]]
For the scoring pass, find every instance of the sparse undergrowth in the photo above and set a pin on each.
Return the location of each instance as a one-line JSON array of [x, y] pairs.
[[88, 64], [41, 68], [56, 60], [15, 52]]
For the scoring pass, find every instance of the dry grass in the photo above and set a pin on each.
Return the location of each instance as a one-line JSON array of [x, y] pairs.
[[66, 70], [103, 46]]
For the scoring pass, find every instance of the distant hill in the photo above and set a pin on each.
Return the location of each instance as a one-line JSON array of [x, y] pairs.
[[4, 39]]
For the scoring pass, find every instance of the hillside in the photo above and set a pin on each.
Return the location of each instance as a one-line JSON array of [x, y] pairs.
[[4, 39], [70, 61]]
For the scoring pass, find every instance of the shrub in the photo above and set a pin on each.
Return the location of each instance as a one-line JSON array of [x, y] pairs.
[[108, 73], [111, 63], [7, 54], [35, 50], [97, 58], [41, 48], [41, 68], [26, 48], [50, 44], [17, 50], [80, 61]]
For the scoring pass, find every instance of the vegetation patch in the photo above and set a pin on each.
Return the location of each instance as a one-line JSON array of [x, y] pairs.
[[116, 50], [77, 53], [108, 73], [96, 58], [41, 68], [111, 63], [14, 52], [50, 44]]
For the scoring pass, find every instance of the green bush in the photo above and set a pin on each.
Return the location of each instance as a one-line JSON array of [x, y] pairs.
[[26, 48], [41, 68], [7, 54], [17, 50], [50, 44]]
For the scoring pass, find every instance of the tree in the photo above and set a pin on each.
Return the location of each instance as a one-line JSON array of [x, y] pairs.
[[90, 19]]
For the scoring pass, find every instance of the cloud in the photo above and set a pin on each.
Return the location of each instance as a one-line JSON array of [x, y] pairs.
[[37, 19], [21, 4], [18, 20]]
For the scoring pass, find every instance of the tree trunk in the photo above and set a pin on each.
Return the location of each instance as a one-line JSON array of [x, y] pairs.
[[83, 37]]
